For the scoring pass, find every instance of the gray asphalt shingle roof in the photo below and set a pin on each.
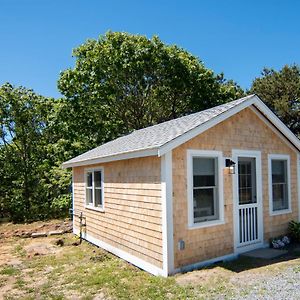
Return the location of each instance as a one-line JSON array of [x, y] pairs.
[[157, 135]]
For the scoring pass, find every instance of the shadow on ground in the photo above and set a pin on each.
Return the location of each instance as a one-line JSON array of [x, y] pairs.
[[243, 263]]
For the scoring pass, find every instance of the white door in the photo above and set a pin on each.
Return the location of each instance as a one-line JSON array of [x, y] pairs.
[[247, 201]]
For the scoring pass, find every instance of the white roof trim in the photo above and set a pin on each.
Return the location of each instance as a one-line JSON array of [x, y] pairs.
[[276, 122], [270, 125], [159, 151], [128, 155], [205, 126], [254, 100]]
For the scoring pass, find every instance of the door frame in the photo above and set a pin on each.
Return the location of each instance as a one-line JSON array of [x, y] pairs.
[[236, 153]]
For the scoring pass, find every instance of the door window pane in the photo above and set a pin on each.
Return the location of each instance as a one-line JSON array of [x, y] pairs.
[[247, 180]]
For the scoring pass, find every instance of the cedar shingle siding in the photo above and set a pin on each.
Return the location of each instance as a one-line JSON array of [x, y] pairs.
[[131, 220]]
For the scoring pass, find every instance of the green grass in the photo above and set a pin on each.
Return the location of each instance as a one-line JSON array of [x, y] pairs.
[[9, 271], [19, 250], [84, 271]]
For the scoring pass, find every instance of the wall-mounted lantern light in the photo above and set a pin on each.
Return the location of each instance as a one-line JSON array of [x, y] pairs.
[[230, 164]]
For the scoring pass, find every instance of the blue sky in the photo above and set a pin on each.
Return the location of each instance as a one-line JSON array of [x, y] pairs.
[[238, 38]]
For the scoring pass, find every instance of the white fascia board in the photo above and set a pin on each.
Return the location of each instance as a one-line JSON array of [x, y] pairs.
[[274, 128], [254, 100], [205, 126], [276, 122], [128, 155]]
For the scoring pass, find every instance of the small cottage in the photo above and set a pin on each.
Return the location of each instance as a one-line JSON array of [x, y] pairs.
[[191, 191]]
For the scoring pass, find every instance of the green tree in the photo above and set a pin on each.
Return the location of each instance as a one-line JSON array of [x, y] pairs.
[[122, 82], [280, 90], [29, 176]]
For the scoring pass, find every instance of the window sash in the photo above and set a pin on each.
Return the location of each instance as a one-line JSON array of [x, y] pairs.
[[94, 188], [215, 215], [282, 202]]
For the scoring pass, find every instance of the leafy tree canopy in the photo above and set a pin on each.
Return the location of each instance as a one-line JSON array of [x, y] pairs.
[[122, 82], [33, 185], [281, 92]]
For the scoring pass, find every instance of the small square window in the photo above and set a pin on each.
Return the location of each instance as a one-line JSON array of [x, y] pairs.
[[94, 188]]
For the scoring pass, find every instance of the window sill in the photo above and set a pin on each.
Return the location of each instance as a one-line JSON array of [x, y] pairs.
[[206, 224], [280, 212], [99, 209]]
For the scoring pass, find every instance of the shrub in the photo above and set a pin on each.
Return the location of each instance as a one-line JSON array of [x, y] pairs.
[[294, 231]]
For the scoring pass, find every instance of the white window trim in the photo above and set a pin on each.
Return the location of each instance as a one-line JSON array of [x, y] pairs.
[[92, 207], [206, 154], [279, 157]]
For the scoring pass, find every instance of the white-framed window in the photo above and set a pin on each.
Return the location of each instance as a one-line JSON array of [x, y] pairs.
[[279, 184], [205, 188], [94, 188]]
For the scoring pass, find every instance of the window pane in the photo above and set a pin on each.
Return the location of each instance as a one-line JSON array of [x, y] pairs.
[[204, 171], [242, 180], [89, 196], [98, 198], [204, 205], [203, 166], [278, 171], [97, 178], [279, 184], [280, 199], [242, 168], [249, 180], [246, 180], [245, 196], [200, 181], [89, 179]]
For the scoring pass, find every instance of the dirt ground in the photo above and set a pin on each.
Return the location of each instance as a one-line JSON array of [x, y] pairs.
[[57, 267]]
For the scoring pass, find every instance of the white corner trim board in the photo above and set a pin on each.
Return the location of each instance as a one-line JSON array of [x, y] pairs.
[[73, 199], [167, 213], [298, 184], [122, 254]]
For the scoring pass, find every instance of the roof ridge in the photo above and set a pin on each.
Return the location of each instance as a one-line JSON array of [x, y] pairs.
[[191, 114], [156, 136]]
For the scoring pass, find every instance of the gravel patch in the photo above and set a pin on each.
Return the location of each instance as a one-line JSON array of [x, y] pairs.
[[281, 285]]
